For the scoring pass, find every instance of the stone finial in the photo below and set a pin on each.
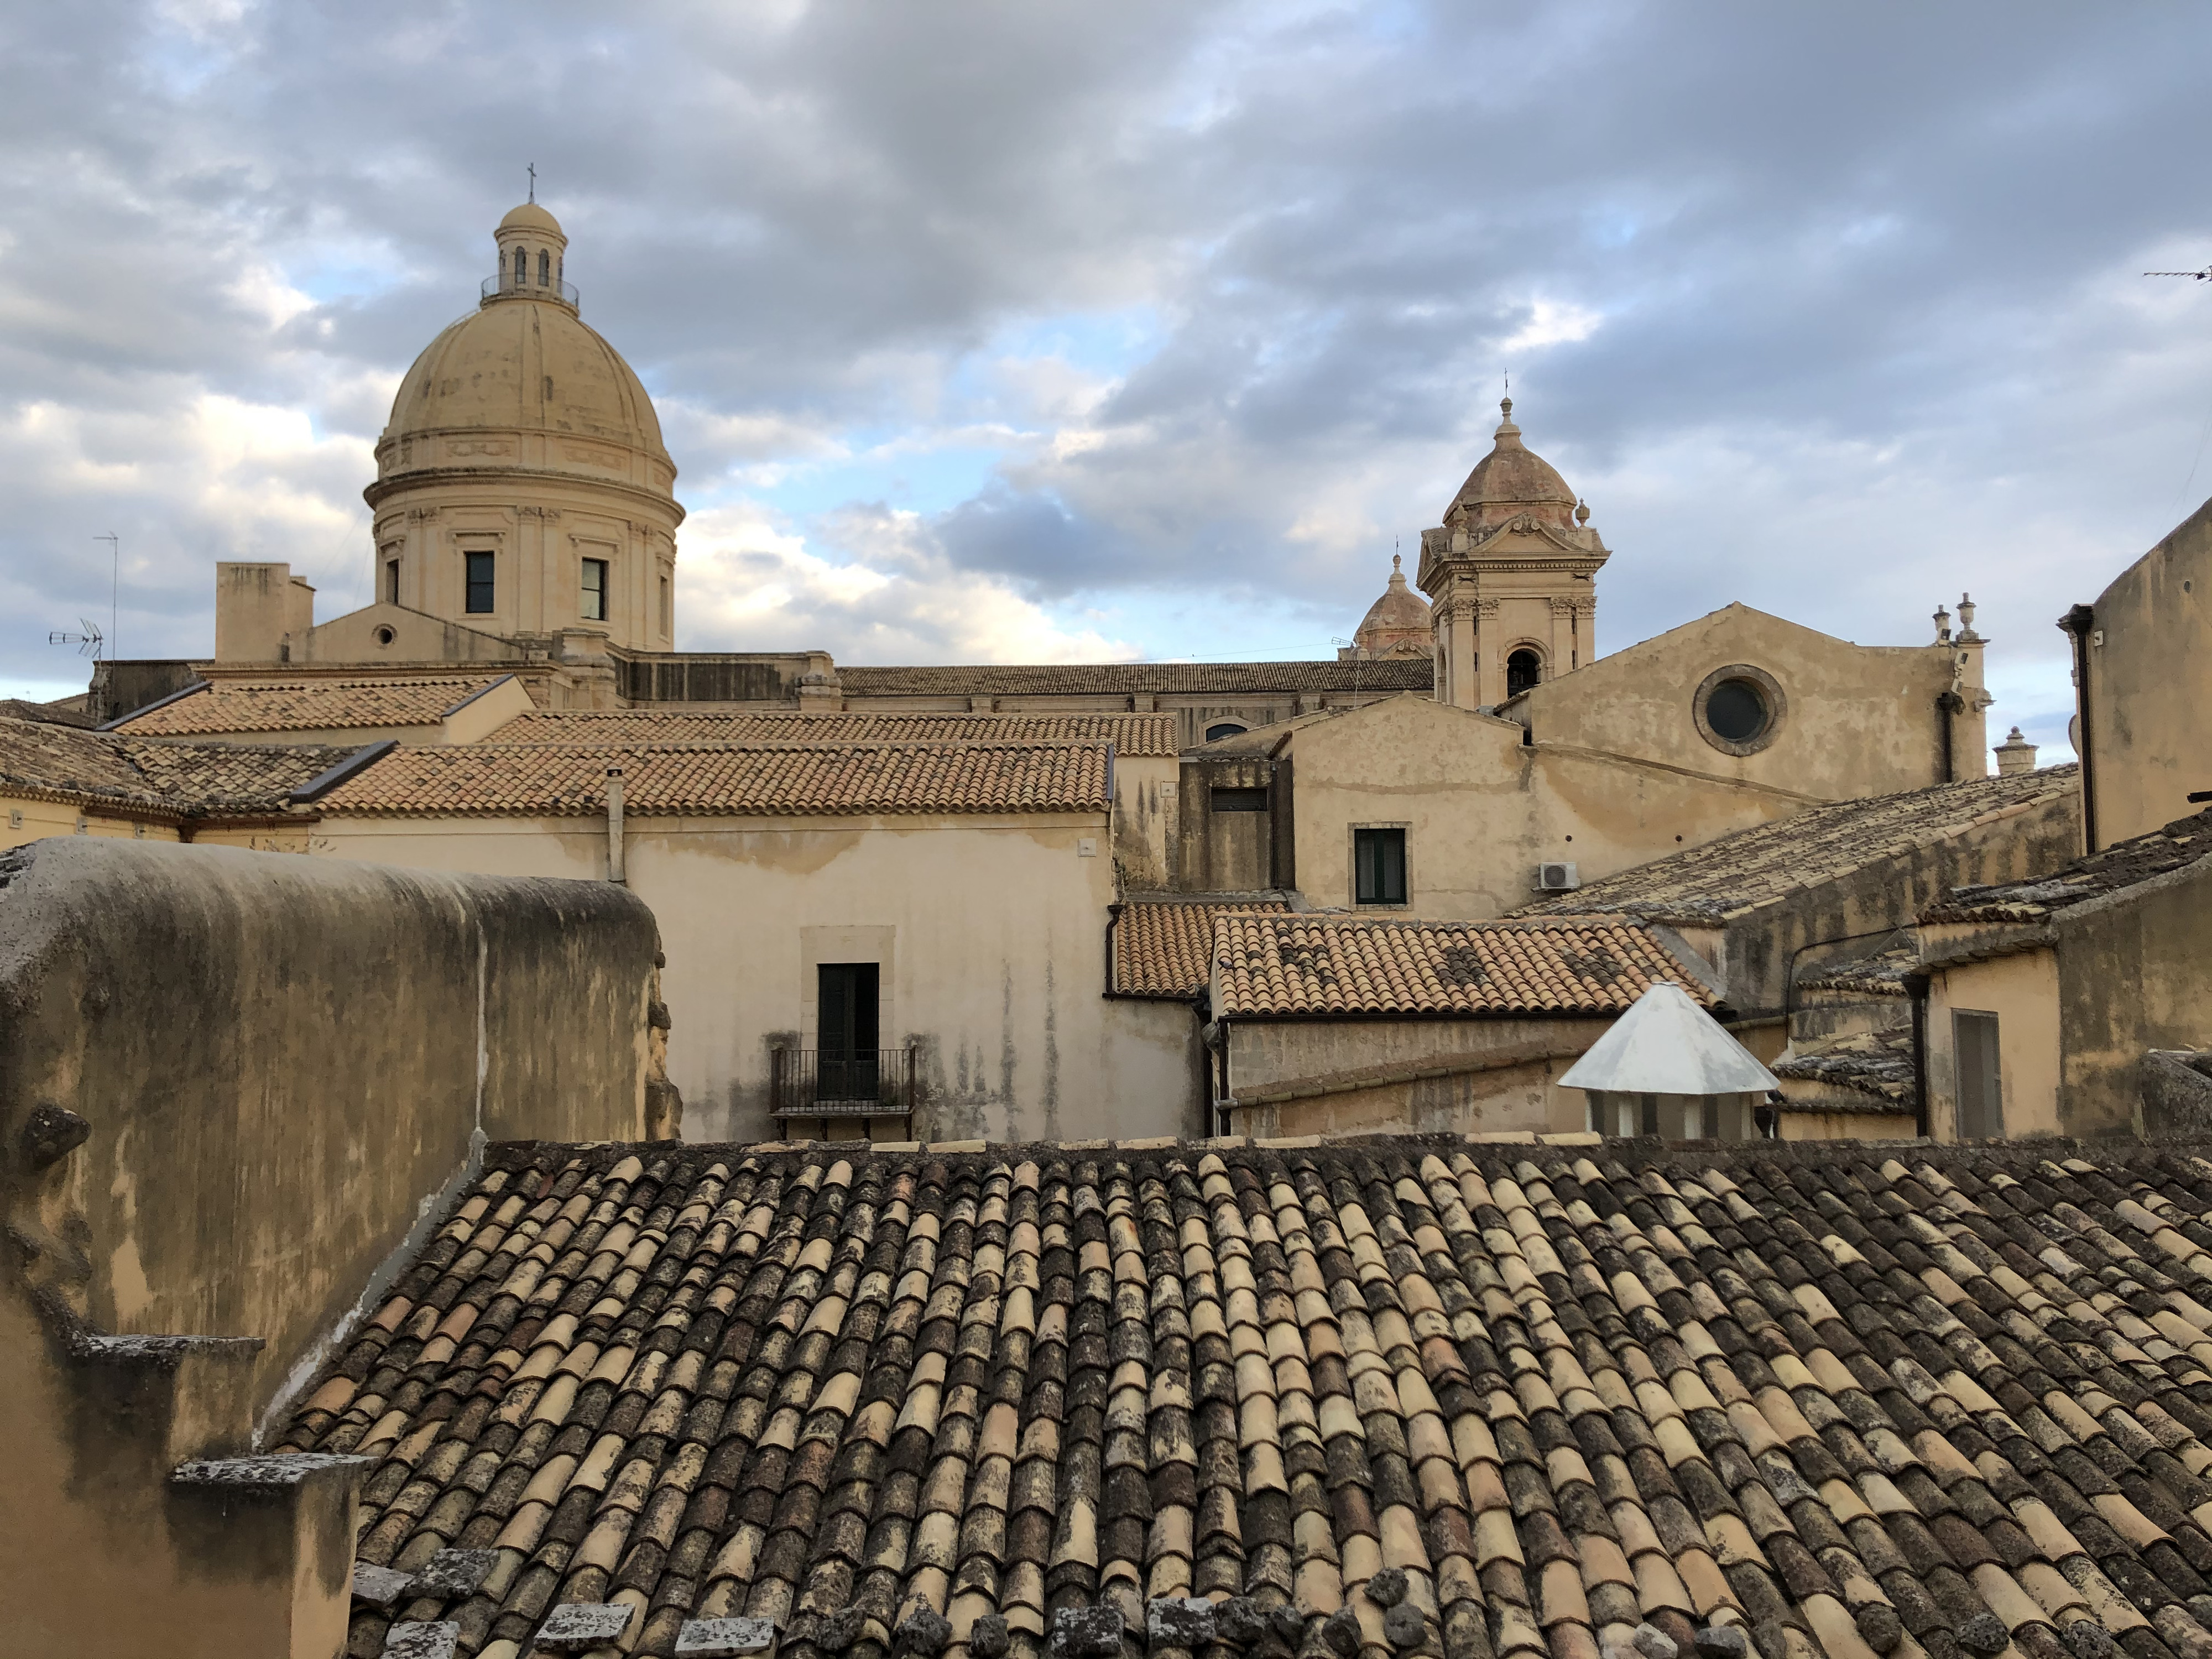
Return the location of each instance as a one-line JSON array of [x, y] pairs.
[[1966, 618], [2016, 754], [1581, 513], [1942, 626]]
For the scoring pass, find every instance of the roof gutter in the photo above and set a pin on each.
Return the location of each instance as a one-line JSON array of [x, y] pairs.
[[2075, 624]]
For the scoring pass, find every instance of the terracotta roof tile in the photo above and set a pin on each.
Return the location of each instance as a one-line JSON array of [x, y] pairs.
[[1930, 1402], [175, 779], [1755, 867], [1112, 678], [736, 778], [1288, 965], [1164, 947], [1130, 734], [308, 705], [2123, 865], [1877, 1065]]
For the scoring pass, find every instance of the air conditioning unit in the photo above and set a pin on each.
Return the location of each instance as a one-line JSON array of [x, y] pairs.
[[1557, 878]]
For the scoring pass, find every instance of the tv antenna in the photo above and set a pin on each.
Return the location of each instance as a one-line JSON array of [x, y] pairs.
[[115, 586], [87, 642], [2201, 276]]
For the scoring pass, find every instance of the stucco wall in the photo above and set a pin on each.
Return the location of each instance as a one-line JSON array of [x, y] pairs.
[[1859, 720], [283, 1064], [2021, 989], [990, 934], [2135, 972], [23, 820], [1513, 1089], [1482, 809], [2150, 683]]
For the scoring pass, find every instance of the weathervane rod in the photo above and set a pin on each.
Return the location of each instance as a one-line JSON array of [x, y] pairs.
[[115, 587]]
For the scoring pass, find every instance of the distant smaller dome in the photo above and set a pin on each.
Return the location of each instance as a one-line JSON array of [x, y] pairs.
[[531, 216], [1398, 624]]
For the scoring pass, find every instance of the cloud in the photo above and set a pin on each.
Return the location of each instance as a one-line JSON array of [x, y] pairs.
[[1001, 329]]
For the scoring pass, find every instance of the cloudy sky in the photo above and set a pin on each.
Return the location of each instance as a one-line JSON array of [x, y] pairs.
[[1052, 332]]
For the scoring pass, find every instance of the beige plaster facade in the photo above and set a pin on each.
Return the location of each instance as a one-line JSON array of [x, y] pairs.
[[2143, 680], [988, 934], [2019, 990], [1843, 720]]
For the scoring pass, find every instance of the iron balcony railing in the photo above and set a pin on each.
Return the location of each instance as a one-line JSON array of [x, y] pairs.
[[823, 1084], [565, 292]]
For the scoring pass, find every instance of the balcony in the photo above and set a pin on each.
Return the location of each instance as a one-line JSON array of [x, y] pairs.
[[500, 287], [818, 1086]]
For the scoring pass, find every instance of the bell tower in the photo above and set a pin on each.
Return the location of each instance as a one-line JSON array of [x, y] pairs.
[[1511, 576]]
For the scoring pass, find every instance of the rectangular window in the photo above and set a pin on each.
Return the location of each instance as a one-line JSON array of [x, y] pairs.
[[392, 582], [595, 590], [1981, 1086], [1378, 860], [480, 565], [1237, 800]]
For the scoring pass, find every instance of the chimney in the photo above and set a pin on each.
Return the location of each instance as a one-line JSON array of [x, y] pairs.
[[2016, 754]]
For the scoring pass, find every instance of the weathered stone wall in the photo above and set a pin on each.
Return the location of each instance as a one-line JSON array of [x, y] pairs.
[[2135, 974], [230, 1084], [2150, 682]]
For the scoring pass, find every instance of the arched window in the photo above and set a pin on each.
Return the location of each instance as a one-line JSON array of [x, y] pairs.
[[521, 267], [544, 267], [1225, 729], [1523, 669]]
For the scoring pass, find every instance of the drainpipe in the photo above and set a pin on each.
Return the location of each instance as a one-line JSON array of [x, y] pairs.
[[1916, 988], [1948, 708], [2076, 624], [615, 871]]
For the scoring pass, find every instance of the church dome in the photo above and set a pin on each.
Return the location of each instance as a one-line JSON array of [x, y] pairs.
[[1397, 625], [531, 216], [525, 364], [1512, 480]]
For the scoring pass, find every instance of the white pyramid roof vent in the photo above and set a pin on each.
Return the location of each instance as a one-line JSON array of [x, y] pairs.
[[1667, 1044]]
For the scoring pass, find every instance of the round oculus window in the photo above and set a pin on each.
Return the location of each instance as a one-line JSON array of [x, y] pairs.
[[1737, 710], [1740, 708]]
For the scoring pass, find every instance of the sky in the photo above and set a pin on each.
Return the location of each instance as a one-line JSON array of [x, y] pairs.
[[1044, 331]]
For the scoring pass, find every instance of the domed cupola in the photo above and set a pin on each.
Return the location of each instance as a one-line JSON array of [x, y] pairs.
[[522, 485], [1510, 481], [1396, 625]]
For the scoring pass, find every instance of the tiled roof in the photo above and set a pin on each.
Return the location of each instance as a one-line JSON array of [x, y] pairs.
[[1117, 678], [57, 712], [1755, 867], [232, 777], [308, 705], [738, 779], [177, 779], [1943, 1403], [1164, 947], [1879, 975], [2120, 865], [1876, 1064], [1130, 734], [1335, 964]]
